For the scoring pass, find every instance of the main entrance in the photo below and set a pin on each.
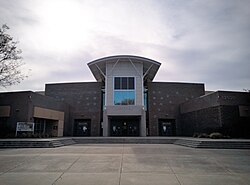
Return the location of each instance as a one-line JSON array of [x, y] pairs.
[[124, 126]]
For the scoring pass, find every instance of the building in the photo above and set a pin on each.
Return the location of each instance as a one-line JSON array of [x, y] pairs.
[[47, 113], [125, 101]]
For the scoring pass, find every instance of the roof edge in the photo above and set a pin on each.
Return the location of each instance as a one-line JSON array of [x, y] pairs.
[[123, 56]]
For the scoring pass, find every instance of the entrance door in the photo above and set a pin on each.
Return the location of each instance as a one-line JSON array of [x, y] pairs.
[[167, 127], [82, 127], [124, 126]]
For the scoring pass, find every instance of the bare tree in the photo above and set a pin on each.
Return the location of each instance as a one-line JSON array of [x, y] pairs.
[[10, 60]]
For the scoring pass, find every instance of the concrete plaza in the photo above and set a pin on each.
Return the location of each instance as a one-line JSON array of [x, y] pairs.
[[124, 164]]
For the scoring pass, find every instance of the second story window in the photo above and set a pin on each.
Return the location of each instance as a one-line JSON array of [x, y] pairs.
[[124, 91], [124, 83]]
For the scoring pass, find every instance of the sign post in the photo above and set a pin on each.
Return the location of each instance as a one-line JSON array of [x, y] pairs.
[[25, 127]]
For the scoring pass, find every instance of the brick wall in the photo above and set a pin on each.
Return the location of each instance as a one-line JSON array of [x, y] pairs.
[[224, 119], [22, 106], [164, 99], [201, 121], [84, 100]]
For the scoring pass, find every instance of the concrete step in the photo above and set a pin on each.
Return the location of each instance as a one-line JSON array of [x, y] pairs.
[[213, 144], [124, 140], [68, 141], [62, 142], [225, 144], [188, 142], [35, 143], [56, 143], [24, 144]]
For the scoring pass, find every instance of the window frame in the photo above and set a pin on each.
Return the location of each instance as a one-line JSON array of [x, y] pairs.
[[127, 89]]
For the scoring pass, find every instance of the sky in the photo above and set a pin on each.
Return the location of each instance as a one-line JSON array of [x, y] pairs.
[[195, 41]]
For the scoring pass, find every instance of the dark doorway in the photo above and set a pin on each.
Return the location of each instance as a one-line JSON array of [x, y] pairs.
[[5, 129], [124, 126], [167, 127], [82, 127], [241, 128]]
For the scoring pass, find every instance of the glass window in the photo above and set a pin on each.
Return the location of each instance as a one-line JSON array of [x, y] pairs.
[[124, 93], [131, 83], [124, 97], [124, 83], [117, 83]]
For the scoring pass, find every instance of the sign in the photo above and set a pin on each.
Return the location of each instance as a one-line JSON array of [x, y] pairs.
[[25, 126]]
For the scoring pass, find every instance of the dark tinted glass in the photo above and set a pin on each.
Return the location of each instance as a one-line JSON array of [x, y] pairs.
[[117, 83], [124, 82], [131, 83]]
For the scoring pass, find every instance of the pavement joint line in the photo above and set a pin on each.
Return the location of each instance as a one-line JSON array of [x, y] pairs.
[[60, 177], [23, 162], [121, 165], [213, 158], [173, 172], [222, 166]]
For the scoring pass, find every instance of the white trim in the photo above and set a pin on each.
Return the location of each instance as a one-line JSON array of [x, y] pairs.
[[147, 71], [122, 57], [100, 71], [111, 71], [142, 88], [134, 67]]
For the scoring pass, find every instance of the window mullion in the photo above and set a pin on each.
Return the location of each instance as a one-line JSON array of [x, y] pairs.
[[120, 83]]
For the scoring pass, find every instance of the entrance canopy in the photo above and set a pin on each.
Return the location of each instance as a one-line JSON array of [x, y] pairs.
[[98, 67]]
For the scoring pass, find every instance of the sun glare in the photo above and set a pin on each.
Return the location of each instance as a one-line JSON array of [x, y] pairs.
[[65, 24]]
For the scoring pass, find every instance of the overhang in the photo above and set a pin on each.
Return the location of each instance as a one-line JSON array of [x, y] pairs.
[[98, 67]]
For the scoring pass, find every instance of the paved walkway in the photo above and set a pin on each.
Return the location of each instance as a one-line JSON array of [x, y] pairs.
[[118, 164]]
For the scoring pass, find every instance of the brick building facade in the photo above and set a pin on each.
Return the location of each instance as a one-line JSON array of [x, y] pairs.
[[126, 102]]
